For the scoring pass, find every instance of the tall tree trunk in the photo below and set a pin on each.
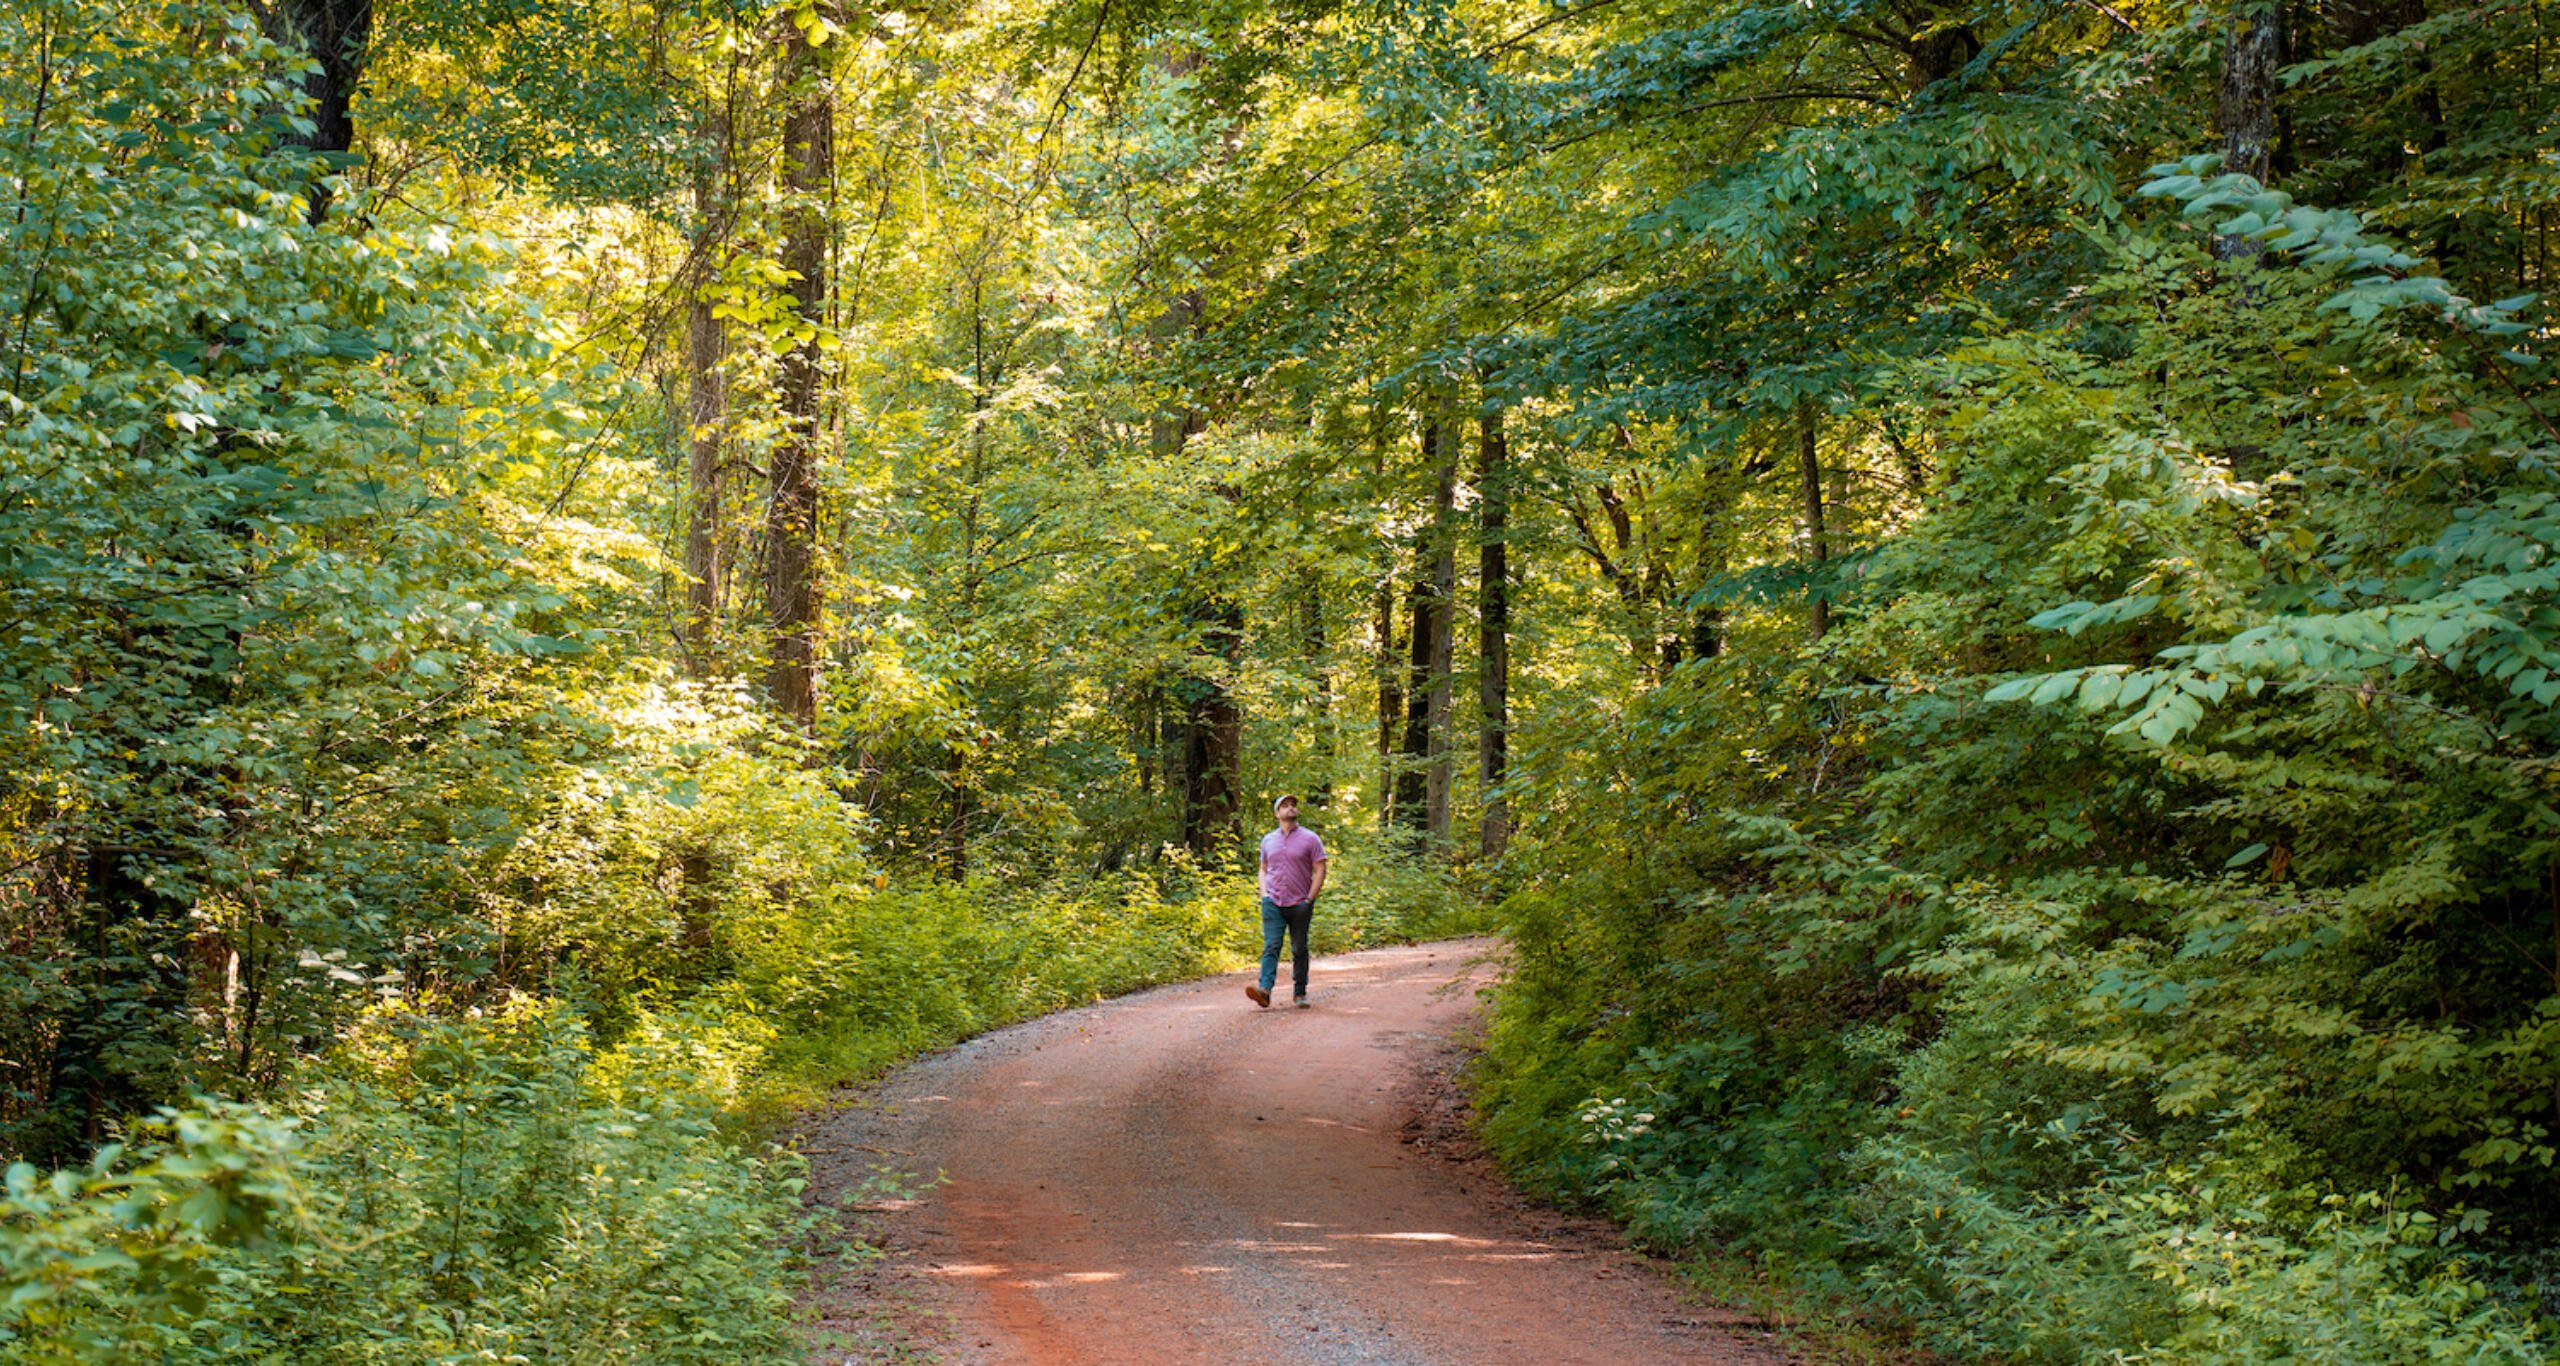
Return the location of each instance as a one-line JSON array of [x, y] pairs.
[[1213, 775], [336, 32], [1422, 788], [1444, 598], [706, 343], [793, 596], [1390, 694], [1817, 542], [1413, 783], [959, 781], [1212, 747], [1213, 726], [1493, 624], [1312, 636]]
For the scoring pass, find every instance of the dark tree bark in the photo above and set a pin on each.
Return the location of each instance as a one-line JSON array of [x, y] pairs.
[[1312, 637], [1939, 52], [1214, 768], [1213, 723], [1493, 620], [1412, 804], [1388, 670], [336, 33], [1390, 695], [1817, 542], [1422, 787], [1706, 622], [1707, 619], [793, 596], [1145, 736]]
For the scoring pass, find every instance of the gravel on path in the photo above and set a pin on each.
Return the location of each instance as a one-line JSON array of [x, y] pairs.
[[1178, 1176]]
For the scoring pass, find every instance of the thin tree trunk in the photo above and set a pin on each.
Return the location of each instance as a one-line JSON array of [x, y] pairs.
[[706, 343], [1444, 623], [1817, 543], [1212, 724], [1312, 635], [1143, 737], [1413, 780], [981, 390], [1493, 623], [1422, 789], [793, 596], [1389, 649], [1390, 695]]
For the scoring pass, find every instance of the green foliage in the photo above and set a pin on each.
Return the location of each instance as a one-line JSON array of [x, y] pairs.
[[2030, 712], [288, 617], [449, 1189], [2125, 935]]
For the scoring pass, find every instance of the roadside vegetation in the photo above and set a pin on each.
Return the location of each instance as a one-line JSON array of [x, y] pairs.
[[1972, 586]]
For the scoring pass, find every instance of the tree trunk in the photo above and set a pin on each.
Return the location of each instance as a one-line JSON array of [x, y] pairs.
[[1493, 624], [1175, 425], [2244, 110], [1312, 636], [1940, 51], [1422, 788], [336, 32], [792, 593], [1444, 600], [706, 343], [2245, 104], [1817, 543], [1212, 724], [1214, 771], [1706, 622], [1390, 695], [955, 840]]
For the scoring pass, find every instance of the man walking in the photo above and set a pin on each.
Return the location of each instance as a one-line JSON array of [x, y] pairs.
[[1292, 877]]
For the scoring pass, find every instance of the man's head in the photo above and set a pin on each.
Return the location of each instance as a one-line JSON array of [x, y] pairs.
[[1287, 810]]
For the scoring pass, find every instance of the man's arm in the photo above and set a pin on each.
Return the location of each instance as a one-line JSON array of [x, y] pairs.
[[1318, 889]]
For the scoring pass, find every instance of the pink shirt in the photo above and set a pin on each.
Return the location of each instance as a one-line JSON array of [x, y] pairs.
[[1289, 859]]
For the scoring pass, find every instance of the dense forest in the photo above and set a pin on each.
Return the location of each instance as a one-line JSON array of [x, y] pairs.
[[1970, 585]]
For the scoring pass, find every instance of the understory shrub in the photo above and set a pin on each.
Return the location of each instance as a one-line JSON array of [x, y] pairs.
[[571, 1176], [471, 1188], [2124, 935]]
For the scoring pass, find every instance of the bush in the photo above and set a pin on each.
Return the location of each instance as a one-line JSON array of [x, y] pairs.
[[446, 1189]]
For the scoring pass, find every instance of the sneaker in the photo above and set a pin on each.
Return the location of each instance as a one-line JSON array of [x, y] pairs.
[[1260, 997], [1302, 1003]]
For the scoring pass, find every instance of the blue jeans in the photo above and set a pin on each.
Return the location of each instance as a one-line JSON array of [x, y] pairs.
[[1292, 920]]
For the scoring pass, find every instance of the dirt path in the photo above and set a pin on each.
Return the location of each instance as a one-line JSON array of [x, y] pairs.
[[1178, 1177]]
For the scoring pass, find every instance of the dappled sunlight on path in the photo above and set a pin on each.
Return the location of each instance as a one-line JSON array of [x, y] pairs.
[[1179, 1176]]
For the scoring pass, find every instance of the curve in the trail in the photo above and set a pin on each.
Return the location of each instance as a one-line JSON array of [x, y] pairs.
[[1180, 1177]]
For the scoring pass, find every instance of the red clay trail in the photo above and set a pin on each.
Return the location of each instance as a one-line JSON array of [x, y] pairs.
[[1178, 1177]]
